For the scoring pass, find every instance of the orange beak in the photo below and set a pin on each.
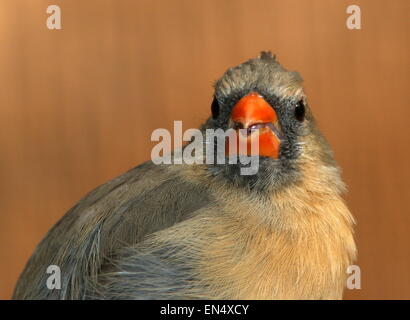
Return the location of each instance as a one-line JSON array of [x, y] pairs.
[[261, 125]]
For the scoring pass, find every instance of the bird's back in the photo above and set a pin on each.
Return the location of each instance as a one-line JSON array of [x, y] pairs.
[[116, 215]]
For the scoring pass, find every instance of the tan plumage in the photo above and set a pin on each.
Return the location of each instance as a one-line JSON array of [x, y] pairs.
[[191, 231]]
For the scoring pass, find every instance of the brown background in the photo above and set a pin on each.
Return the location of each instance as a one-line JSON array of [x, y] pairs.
[[78, 105]]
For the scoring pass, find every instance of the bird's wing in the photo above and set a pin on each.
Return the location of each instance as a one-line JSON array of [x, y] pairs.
[[115, 216], [146, 272]]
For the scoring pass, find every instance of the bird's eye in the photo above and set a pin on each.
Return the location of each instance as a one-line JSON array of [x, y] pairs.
[[215, 108], [300, 111]]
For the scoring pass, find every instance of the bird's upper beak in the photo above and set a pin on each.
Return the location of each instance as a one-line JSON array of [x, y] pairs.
[[261, 125]]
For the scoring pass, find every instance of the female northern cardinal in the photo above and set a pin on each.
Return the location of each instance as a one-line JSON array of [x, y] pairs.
[[204, 230]]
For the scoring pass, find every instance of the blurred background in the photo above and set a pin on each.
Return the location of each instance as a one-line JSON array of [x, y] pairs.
[[78, 105]]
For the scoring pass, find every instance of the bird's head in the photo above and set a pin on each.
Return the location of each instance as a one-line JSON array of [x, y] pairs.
[[269, 103]]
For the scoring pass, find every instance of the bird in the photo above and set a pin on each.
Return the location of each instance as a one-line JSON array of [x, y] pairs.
[[205, 230]]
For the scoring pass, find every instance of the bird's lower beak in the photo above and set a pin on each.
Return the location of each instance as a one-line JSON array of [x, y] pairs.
[[259, 124]]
